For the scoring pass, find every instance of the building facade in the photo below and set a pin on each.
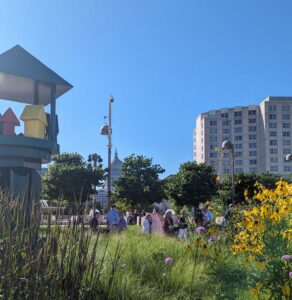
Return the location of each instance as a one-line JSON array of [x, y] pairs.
[[260, 135]]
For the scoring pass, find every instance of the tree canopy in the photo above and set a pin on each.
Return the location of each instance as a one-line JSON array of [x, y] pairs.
[[194, 183], [139, 185], [71, 178], [245, 185]]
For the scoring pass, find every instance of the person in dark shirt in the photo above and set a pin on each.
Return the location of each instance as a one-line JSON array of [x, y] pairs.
[[94, 222], [168, 227]]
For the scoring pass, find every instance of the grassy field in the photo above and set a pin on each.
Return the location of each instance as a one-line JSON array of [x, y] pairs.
[[142, 273]]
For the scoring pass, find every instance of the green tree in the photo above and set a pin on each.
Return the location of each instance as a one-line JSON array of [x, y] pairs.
[[194, 183], [139, 185], [71, 178], [244, 185]]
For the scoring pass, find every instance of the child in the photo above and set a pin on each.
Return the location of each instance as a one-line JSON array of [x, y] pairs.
[[182, 232], [122, 223], [147, 224]]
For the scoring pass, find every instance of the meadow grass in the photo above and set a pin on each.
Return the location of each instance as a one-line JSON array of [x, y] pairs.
[[72, 262]]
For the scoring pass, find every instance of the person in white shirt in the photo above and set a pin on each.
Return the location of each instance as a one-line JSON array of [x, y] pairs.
[[147, 224]]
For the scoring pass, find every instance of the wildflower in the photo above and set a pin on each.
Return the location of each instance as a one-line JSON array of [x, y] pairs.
[[168, 260], [286, 289], [219, 220], [123, 266], [290, 274], [204, 249], [287, 257], [212, 239], [201, 229], [189, 248], [164, 275]]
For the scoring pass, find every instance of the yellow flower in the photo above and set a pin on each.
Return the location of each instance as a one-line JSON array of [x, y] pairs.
[[189, 249], [261, 265], [204, 249], [286, 289]]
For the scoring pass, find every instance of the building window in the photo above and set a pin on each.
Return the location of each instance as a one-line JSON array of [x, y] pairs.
[[238, 170], [224, 115], [273, 151], [237, 113], [213, 139], [286, 142], [252, 161], [239, 162], [286, 151], [273, 159], [252, 145], [273, 133], [272, 125], [213, 130], [225, 131], [272, 117], [286, 117], [252, 121], [213, 154], [252, 153], [272, 108], [226, 171], [273, 143], [252, 137], [225, 138], [238, 146], [237, 153], [274, 168], [213, 123], [286, 133], [252, 170], [252, 128], [212, 147], [238, 122], [238, 137], [286, 125], [252, 112], [287, 168], [285, 107], [225, 123], [238, 129]]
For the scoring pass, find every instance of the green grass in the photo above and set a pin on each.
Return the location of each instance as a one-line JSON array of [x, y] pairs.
[[142, 273], [72, 262]]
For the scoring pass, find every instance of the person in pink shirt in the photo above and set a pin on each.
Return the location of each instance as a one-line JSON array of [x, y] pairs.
[[157, 221]]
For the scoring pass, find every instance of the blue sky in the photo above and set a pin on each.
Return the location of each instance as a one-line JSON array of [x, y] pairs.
[[164, 61]]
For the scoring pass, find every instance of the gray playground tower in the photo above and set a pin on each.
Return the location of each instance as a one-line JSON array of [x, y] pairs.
[[24, 79]]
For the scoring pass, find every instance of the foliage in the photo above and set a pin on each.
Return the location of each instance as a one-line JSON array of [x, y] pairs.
[[245, 186], [51, 262], [70, 177], [139, 185], [194, 183], [264, 237]]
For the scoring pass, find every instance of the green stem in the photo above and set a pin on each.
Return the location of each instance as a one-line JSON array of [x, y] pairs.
[[193, 273]]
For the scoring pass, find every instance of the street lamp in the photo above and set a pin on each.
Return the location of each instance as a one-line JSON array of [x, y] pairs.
[[106, 129], [289, 157], [227, 146]]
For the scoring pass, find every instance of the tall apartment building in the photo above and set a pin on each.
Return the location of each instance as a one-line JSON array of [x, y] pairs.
[[260, 135]]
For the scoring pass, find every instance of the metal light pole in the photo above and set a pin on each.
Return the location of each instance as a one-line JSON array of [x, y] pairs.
[[107, 130], [110, 101], [227, 145]]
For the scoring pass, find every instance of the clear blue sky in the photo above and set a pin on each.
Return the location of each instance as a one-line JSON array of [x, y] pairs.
[[164, 61]]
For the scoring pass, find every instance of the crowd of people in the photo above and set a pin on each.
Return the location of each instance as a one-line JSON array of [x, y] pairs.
[[153, 223]]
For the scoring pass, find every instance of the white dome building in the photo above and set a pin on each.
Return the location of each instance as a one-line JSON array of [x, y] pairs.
[[116, 165]]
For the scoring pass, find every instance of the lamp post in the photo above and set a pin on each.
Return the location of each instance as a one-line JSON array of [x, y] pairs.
[[107, 130], [227, 146], [288, 157]]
